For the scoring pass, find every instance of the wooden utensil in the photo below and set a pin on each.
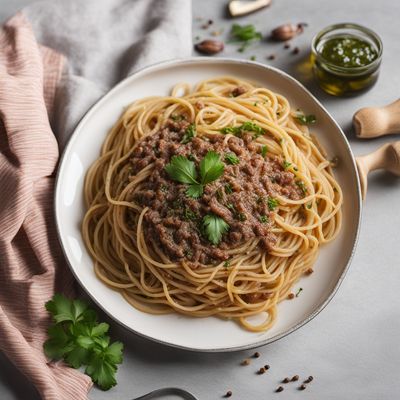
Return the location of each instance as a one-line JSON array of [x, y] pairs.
[[238, 7], [386, 157], [372, 122]]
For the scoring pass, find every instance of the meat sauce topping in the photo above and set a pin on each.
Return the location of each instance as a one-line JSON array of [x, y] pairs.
[[243, 196]]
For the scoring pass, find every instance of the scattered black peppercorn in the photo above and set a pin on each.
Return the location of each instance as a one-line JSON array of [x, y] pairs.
[[210, 22], [287, 46], [256, 354], [309, 379], [291, 296], [261, 371], [245, 362], [267, 366], [302, 387], [296, 50], [271, 57], [228, 393], [295, 378], [286, 380], [309, 271], [279, 389]]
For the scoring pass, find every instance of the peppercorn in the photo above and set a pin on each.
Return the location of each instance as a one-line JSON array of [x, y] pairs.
[[228, 393], [296, 50], [279, 389], [287, 46], [291, 296], [267, 366], [295, 378], [256, 354], [246, 362], [261, 370], [271, 57], [309, 271], [302, 387], [286, 380], [309, 379]]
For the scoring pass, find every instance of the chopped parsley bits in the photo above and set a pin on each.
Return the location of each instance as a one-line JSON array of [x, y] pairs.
[[264, 150], [286, 164], [305, 119], [228, 188], [231, 158], [272, 203], [264, 219], [189, 134], [302, 186], [227, 264], [247, 126]]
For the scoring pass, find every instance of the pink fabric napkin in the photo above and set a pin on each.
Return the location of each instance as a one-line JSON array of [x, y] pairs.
[[32, 266]]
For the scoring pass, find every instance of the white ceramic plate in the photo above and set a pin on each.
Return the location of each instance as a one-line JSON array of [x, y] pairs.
[[205, 334]]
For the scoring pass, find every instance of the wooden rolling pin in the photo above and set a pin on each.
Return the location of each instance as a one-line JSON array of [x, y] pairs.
[[372, 122], [386, 157]]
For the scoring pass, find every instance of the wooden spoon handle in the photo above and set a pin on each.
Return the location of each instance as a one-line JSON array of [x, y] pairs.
[[372, 122], [386, 157], [238, 7]]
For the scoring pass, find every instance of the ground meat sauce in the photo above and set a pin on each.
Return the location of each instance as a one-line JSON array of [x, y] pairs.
[[174, 219]]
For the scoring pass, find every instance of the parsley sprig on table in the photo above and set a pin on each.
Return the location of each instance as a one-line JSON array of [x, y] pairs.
[[76, 337], [183, 170], [245, 34]]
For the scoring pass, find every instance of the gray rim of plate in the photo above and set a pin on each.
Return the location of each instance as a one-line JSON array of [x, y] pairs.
[[209, 60]]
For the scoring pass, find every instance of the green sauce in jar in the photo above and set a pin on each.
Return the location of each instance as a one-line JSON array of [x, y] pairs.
[[346, 59], [348, 51]]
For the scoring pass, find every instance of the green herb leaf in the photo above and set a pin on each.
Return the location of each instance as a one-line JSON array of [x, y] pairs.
[[211, 167], [79, 339], [302, 186], [272, 203], [227, 264], [214, 227], [286, 164], [306, 119], [195, 191], [299, 291], [182, 170], [264, 219], [190, 133], [245, 34], [264, 150], [248, 126], [231, 158]]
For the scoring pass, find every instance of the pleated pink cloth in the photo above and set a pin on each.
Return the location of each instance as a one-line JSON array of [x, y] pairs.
[[32, 266]]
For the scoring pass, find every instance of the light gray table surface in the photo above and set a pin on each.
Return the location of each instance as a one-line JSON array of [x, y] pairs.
[[352, 348]]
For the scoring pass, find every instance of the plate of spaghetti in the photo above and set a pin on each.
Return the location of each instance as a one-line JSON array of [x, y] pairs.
[[200, 204]]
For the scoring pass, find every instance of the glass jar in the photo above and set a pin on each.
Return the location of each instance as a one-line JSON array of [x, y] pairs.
[[346, 58]]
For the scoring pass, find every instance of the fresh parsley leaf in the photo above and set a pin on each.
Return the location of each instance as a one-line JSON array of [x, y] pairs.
[[264, 219], [286, 164], [272, 203], [182, 170], [305, 119], [214, 227], [189, 134], [247, 126], [211, 167], [79, 339], [245, 34], [264, 150], [231, 158], [195, 190], [227, 264]]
